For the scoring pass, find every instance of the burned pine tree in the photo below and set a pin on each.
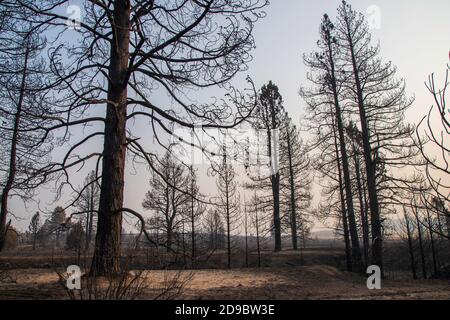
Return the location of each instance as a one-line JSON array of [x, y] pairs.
[[295, 182], [23, 106], [268, 121], [33, 228], [259, 217], [87, 203], [215, 230], [114, 61], [415, 210], [193, 210], [227, 201], [246, 234], [355, 139], [409, 228], [344, 218], [379, 102], [325, 159], [326, 76], [166, 198]]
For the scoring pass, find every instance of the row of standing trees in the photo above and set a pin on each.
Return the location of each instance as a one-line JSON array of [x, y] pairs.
[[59, 95], [368, 156], [179, 208]]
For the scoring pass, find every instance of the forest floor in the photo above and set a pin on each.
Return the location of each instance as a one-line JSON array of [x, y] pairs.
[[282, 278], [309, 282]]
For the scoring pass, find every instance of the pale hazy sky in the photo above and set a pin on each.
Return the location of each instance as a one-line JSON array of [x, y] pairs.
[[414, 35]]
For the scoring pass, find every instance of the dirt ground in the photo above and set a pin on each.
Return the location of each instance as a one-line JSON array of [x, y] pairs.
[[309, 282], [315, 274]]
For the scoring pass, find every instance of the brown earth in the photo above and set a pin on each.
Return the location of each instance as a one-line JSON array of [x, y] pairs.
[[315, 274], [309, 282]]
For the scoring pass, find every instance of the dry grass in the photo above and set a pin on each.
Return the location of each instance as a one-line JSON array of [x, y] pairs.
[[311, 282], [286, 275]]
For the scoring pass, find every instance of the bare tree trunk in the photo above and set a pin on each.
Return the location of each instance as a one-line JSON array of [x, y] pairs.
[[275, 179], [410, 247], [192, 207], [303, 232], [422, 253], [364, 222], [348, 254], [275, 184], [86, 244], [269, 112], [366, 218], [356, 252], [377, 241], [89, 217], [58, 234], [192, 233], [169, 237], [157, 234], [227, 213], [258, 247], [433, 249], [292, 189], [34, 240], [228, 237], [91, 227], [440, 225], [13, 154], [106, 259], [446, 214], [183, 243], [246, 235]]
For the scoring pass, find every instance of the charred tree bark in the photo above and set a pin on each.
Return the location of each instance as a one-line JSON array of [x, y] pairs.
[[228, 233], [356, 252], [422, 251], [183, 243], [433, 248], [246, 235], [227, 217], [292, 189], [107, 252], [228, 201], [90, 217], [192, 233], [275, 180], [13, 154], [169, 239], [377, 244], [269, 113], [411, 248], [258, 247], [276, 211], [86, 240], [364, 222], [348, 254]]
